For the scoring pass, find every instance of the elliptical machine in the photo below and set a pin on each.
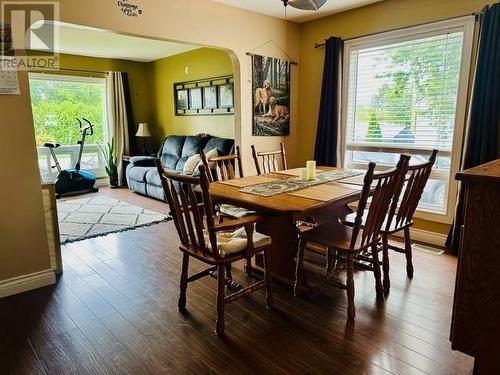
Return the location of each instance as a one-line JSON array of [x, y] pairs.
[[74, 181]]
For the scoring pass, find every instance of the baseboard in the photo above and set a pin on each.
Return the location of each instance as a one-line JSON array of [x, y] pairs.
[[425, 236], [25, 283]]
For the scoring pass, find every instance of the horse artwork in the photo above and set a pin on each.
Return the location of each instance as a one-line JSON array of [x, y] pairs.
[[271, 96]]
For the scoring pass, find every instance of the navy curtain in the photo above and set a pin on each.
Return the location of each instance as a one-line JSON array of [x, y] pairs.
[[325, 152], [133, 147], [483, 138]]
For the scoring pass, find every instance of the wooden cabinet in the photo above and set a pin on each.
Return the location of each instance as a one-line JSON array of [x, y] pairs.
[[475, 328]]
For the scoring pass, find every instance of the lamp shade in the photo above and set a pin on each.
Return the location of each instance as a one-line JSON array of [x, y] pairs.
[[143, 130]]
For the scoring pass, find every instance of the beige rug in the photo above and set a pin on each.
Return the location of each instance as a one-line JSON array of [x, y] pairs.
[[98, 215]]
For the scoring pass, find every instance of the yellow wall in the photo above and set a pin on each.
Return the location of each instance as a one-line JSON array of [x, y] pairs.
[[379, 17], [201, 63], [23, 237]]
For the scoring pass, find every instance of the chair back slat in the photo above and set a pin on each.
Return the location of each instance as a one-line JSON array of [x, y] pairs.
[[191, 216], [222, 168], [382, 194], [418, 175], [269, 161]]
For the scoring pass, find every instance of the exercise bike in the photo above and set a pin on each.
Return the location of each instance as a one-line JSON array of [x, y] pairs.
[[74, 181]]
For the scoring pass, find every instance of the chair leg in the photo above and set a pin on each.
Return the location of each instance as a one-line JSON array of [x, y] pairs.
[[221, 284], [409, 264], [299, 268], [229, 274], [376, 271], [385, 262], [351, 310], [269, 278], [248, 266], [183, 285]]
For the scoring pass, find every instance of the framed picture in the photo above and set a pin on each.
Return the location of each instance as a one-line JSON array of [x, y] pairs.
[[226, 95], [210, 97], [195, 98], [181, 101]]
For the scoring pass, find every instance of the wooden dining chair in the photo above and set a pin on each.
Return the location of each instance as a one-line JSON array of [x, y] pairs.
[[216, 244], [400, 215], [269, 161], [343, 242], [223, 168]]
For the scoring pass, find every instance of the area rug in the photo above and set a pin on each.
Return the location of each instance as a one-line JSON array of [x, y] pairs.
[[88, 217]]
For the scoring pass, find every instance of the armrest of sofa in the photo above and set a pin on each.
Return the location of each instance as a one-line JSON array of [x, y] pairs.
[[143, 161]]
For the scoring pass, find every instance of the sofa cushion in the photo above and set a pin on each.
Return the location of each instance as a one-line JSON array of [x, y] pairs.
[[171, 150], [169, 161], [193, 145], [153, 177], [138, 173], [224, 146], [173, 144]]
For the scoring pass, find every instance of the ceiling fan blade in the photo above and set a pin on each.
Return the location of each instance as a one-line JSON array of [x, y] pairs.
[[307, 4]]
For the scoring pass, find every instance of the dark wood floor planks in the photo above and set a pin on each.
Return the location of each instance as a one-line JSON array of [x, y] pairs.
[[113, 311]]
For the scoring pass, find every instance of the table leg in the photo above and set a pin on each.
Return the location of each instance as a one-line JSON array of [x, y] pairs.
[[282, 230]]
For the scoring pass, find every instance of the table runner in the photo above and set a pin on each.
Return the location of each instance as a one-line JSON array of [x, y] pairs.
[[271, 188], [295, 171]]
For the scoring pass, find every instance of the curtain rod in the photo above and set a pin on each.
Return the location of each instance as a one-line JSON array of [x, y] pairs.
[[72, 70], [319, 45]]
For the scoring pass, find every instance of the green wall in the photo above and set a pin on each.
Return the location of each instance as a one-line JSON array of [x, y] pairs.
[[201, 63]]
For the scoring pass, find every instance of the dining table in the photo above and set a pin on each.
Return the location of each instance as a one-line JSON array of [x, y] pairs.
[[317, 204]]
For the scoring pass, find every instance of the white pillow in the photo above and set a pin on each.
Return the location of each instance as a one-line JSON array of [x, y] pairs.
[[191, 163], [213, 153]]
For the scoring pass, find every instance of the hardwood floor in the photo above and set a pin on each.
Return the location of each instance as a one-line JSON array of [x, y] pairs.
[[113, 311]]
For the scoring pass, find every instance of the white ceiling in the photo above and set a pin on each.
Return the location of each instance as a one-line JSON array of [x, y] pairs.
[[87, 41], [275, 8]]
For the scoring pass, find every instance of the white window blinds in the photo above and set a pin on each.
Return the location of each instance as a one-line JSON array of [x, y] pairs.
[[404, 94]]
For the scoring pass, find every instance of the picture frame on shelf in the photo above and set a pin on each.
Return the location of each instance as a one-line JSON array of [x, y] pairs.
[[226, 99], [209, 97], [182, 100], [195, 98]]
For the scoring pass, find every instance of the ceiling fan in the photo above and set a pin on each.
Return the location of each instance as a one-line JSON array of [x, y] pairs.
[[304, 4]]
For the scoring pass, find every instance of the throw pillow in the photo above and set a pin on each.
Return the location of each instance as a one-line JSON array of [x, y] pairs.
[[191, 164], [213, 153]]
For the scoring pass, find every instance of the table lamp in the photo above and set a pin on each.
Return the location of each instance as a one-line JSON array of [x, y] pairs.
[[143, 132]]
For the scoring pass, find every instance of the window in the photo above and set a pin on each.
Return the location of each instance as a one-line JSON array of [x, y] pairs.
[[57, 101], [406, 93]]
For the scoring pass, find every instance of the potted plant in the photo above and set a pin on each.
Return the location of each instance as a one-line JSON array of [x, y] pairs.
[[110, 158]]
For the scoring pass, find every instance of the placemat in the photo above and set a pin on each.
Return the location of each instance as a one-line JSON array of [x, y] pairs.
[[247, 181], [295, 171], [275, 187], [325, 192]]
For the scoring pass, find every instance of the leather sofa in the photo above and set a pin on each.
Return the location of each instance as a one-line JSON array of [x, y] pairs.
[[141, 173]]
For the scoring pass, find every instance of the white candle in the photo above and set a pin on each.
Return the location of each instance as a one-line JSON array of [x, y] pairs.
[[311, 169], [304, 174]]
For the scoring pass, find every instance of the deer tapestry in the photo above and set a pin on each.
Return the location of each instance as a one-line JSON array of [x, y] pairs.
[[271, 96]]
